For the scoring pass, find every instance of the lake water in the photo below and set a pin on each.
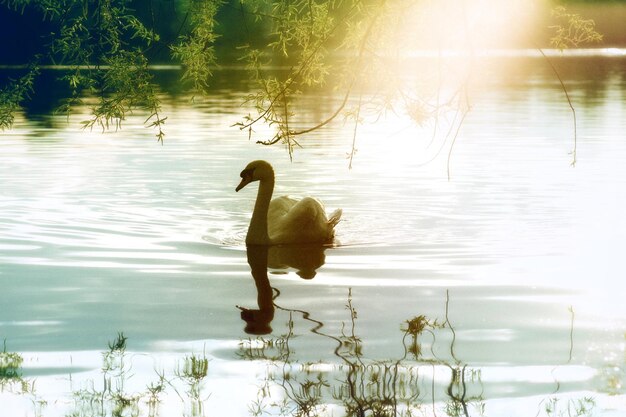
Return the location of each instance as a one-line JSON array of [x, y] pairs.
[[497, 292]]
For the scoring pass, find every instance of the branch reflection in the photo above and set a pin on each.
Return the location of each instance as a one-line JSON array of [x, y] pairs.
[[429, 377]]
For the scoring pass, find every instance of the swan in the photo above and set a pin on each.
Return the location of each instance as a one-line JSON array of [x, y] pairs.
[[284, 220]]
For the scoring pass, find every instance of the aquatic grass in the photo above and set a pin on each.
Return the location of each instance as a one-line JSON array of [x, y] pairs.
[[194, 368], [154, 392], [358, 385], [264, 348], [111, 397], [364, 386], [193, 372], [12, 381], [578, 407], [10, 364], [414, 328]]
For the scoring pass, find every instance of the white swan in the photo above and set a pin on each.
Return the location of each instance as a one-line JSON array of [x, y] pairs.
[[284, 219]]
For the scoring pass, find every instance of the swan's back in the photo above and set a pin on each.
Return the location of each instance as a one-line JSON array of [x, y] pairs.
[[300, 221]]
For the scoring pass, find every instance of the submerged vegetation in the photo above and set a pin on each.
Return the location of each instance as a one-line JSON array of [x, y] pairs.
[[110, 395], [10, 365], [428, 377], [107, 47]]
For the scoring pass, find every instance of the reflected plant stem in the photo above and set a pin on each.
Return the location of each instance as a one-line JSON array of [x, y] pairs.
[[450, 326], [433, 367], [432, 391], [458, 128], [571, 334], [438, 98], [316, 329], [465, 88], [353, 367], [450, 129], [569, 360], [457, 375], [379, 387]]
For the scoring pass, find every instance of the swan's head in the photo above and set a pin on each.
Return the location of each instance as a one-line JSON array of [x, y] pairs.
[[255, 171]]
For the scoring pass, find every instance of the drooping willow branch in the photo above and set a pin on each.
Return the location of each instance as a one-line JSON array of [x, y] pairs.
[[106, 45], [569, 102], [282, 94], [14, 95], [570, 31]]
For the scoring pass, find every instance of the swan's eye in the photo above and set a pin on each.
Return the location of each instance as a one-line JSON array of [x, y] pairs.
[[247, 173]]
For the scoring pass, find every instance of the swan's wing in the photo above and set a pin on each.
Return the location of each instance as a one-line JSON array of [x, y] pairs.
[[279, 207], [276, 221], [289, 213], [291, 220]]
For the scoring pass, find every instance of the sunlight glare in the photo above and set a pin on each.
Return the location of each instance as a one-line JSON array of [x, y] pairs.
[[469, 24]]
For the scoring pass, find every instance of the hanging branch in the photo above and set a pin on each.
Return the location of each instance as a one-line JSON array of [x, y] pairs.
[[356, 125], [571, 30], [569, 102], [13, 95], [266, 113]]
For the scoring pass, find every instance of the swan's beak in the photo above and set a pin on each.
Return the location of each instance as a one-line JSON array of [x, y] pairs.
[[247, 176], [244, 181]]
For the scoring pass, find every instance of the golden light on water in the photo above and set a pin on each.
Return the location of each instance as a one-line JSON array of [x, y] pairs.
[[423, 58]]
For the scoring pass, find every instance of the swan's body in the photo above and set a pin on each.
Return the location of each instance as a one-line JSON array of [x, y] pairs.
[[284, 219]]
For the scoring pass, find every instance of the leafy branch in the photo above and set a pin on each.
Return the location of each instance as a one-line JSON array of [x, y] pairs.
[[126, 85], [105, 45], [196, 50], [13, 95], [571, 31], [304, 29], [363, 44]]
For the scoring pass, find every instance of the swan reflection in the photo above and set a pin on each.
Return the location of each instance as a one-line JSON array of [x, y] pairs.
[[305, 259]]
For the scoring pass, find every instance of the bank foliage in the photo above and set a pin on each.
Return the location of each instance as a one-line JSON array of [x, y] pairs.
[[108, 46]]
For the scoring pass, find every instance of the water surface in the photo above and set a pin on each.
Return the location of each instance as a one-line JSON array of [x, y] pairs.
[[510, 272]]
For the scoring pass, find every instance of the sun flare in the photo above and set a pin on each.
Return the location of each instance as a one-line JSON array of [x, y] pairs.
[[469, 24]]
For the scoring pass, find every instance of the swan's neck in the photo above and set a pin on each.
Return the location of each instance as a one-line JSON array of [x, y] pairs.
[[257, 232]]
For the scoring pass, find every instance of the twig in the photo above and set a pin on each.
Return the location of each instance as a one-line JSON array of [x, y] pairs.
[[569, 102]]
